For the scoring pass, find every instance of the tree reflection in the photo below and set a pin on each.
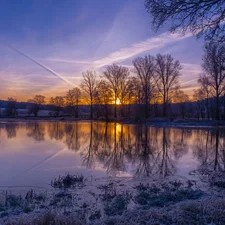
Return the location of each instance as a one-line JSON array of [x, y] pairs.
[[73, 136], [134, 150], [36, 130], [116, 147], [89, 156], [115, 161], [11, 129], [210, 150], [143, 148], [56, 130]]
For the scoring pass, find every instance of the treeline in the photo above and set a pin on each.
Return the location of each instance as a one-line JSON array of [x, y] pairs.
[[149, 89], [119, 91]]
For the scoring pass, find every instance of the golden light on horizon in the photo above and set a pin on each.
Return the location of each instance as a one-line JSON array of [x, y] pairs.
[[117, 101]]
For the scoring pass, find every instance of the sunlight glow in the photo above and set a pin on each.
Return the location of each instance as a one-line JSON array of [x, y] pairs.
[[117, 101]]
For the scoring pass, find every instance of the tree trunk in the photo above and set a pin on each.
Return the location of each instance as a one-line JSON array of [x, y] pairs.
[[91, 114], [224, 106], [164, 106], [76, 111], [115, 114], [207, 106], [217, 107], [106, 112]]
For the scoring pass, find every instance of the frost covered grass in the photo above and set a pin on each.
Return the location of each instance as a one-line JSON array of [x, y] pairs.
[[73, 200], [68, 181], [198, 212]]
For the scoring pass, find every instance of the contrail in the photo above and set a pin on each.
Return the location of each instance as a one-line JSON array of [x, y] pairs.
[[42, 162], [43, 66]]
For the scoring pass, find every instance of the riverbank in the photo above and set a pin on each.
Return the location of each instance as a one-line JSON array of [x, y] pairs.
[[79, 200], [156, 122]]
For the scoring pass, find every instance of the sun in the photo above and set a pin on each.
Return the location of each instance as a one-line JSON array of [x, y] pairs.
[[117, 101]]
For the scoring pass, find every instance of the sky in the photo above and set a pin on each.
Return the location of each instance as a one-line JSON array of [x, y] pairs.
[[45, 45]]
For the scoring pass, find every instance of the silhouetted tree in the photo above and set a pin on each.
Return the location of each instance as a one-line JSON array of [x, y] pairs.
[[57, 103], [199, 97], [201, 17], [206, 87], [117, 78], [181, 98], [214, 67], [134, 95], [104, 95], [89, 85], [144, 68], [11, 107], [167, 74], [73, 98], [36, 104]]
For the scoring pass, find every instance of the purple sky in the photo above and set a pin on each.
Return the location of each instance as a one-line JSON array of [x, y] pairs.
[[47, 44]]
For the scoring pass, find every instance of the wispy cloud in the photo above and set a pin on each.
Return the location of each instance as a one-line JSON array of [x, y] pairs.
[[43, 66], [131, 51], [141, 47]]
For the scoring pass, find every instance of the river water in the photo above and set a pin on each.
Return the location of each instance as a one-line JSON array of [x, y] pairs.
[[32, 153]]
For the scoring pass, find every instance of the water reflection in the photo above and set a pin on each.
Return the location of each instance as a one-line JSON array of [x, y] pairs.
[[36, 131], [210, 150], [11, 129], [131, 150]]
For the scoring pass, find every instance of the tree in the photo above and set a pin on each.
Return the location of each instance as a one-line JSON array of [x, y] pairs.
[[73, 98], [11, 107], [182, 99], [167, 73], [36, 104], [89, 85], [134, 95], [117, 78], [205, 84], [123, 89], [58, 103], [199, 97], [214, 67], [204, 17], [104, 95], [144, 68]]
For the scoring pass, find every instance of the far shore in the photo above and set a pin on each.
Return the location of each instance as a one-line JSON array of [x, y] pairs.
[[155, 122]]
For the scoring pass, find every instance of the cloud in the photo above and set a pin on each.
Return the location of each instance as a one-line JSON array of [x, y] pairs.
[[126, 53], [138, 48]]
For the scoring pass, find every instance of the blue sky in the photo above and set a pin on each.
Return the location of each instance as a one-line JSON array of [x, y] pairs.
[[47, 44]]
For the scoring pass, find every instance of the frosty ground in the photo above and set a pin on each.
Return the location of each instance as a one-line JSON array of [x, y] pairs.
[[74, 199]]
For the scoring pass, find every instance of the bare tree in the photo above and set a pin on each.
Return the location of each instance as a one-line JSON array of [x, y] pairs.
[[89, 85], [144, 68], [204, 17], [205, 84], [134, 94], [58, 103], [182, 99], [166, 77], [36, 104], [11, 107], [124, 89], [199, 97], [117, 78], [104, 95], [73, 98], [214, 67]]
